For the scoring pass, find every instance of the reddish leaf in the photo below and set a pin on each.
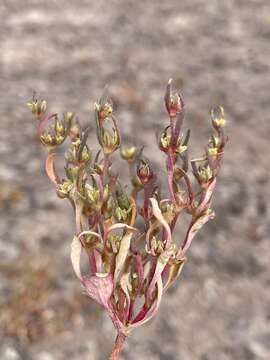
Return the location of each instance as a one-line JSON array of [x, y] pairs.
[[99, 287], [148, 314], [50, 169]]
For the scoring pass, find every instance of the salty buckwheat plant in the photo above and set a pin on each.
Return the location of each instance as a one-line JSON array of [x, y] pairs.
[[128, 237]]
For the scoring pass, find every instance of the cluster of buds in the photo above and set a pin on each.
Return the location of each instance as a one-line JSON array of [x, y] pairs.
[[130, 266]]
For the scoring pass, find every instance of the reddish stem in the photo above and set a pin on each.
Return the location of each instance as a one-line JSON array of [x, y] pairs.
[[170, 167], [118, 346], [105, 167]]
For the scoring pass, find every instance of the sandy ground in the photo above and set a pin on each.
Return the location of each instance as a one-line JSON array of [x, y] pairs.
[[218, 53]]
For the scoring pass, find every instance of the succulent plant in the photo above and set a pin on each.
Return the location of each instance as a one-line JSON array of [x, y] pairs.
[[129, 264]]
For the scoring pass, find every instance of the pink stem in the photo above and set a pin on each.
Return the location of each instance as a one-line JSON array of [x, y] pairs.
[[118, 346], [106, 167]]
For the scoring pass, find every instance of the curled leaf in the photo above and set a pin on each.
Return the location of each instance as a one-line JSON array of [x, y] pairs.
[[161, 263], [194, 228], [147, 314], [122, 254], [50, 169], [174, 272], [205, 203], [158, 215], [118, 226]]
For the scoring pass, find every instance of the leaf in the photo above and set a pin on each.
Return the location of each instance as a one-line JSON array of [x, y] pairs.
[[75, 256], [88, 232], [152, 227], [174, 272], [122, 255], [194, 227], [118, 226], [150, 313], [158, 215], [207, 197], [161, 263], [99, 287], [126, 286], [50, 169]]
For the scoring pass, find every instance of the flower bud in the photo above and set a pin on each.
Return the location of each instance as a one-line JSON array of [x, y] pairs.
[[64, 189], [173, 101], [38, 107], [86, 156], [106, 193], [122, 198], [205, 173], [72, 172], [110, 142], [165, 142], [92, 193], [104, 110], [75, 131], [128, 153], [144, 172], [218, 117]]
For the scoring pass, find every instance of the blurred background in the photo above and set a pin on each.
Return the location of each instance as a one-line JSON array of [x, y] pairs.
[[217, 52]]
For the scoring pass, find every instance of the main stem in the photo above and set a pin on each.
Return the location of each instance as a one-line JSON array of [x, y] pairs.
[[118, 346]]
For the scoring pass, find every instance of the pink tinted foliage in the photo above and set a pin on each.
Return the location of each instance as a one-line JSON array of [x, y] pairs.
[[131, 266]]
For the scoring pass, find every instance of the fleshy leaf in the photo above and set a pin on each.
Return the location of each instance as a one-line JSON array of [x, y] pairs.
[[150, 313], [75, 256], [122, 254], [161, 263], [50, 169], [99, 287], [174, 272], [158, 215], [194, 228], [207, 198]]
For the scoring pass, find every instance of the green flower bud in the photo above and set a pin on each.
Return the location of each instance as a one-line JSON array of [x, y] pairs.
[[128, 153], [110, 142], [205, 173], [92, 193], [218, 117], [64, 189], [165, 142], [103, 110], [38, 107]]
